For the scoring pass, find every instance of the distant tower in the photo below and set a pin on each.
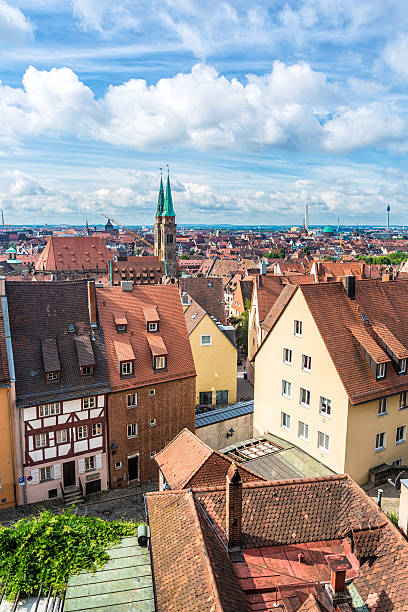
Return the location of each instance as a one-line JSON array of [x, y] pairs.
[[388, 218], [307, 217], [165, 229], [87, 228]]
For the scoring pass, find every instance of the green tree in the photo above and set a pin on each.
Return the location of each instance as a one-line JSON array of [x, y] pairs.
[[282, 253], [306, 250], [185, 256], [241, 328], [272, 255]]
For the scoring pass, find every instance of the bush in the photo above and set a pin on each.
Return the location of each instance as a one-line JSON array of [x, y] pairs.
[[393, 516], [46, 550]]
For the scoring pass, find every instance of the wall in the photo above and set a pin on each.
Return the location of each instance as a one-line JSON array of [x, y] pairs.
[[216, 364], [173, 407], [403, 507], [215, 435], [7, 492], [323, 380], [363, 426]]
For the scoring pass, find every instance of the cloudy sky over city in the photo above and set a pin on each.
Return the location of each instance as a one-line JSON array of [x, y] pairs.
[[257, 107]]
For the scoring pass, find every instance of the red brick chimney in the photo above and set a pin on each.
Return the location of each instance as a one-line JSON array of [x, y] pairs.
[[233, 514], [92, 303], [339, 564]]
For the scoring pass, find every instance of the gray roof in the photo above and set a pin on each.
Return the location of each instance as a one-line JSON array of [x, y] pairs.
[[224, 414]]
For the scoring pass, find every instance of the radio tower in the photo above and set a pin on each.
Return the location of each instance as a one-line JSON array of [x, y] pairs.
[[388, 218]]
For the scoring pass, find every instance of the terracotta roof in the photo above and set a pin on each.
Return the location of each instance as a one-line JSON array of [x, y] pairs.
[[193, 315], [150, 314], [124, 350], [278, 307], [267, 294], [368, 344], [390, 340], [166, 299], [146, 270], [188, 462], [74, 253], [157, 345]]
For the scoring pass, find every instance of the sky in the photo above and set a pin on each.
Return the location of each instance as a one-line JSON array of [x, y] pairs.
[[257, 107]]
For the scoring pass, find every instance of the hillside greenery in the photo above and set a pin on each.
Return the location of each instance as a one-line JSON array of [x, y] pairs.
[[392, 258]]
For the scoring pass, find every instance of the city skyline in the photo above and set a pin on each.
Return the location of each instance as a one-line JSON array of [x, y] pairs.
[[257, 111]]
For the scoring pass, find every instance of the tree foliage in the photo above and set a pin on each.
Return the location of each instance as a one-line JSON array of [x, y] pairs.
[[392, 258], [241, 328], [45, 551]]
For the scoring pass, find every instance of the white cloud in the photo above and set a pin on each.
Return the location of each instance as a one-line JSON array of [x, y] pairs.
[[106, 16], [14, 26], [396, 55]]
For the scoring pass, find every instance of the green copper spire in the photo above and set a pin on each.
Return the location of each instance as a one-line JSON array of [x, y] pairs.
[[168, 210], [160, 201]]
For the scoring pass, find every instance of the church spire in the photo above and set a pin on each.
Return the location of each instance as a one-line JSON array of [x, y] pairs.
[[168, 210], [160, 200]]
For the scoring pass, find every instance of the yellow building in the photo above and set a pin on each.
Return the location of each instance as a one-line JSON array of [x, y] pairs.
[[215, 357], [331, 375]]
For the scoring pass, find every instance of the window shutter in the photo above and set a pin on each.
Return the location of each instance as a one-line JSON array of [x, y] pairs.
[[35, 475], [57, 470], [98, 462], [81, 466]]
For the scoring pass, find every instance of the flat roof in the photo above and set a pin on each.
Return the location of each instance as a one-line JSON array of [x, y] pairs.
[[223, 414]]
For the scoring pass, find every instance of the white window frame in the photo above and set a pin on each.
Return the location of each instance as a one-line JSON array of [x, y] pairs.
[[126, 368], [286, 386], [153, 327], [403, 397], [160, 362], [325, 406], [82, 432], [152, 392], [96, 429], [45, 410], [306, 359], [52, 376], [305, 427], [133, 403], [287, 353], [202, 343], [401, 429], [90, 463], [118, 465], [132, 427], [285, 421], [61, 436], [384, 445], [41, 437], [381, 370], [402, 366], [153, 422], [46, 470], [398, 462], [298, 328], [307, 393], [89, 402], [323, 441], [382, 406]]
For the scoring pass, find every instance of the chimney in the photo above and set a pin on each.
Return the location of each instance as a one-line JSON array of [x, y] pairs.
[[92, 303], [336, 590], [349, 283], [126, 285], [233, 512], [259, 281]]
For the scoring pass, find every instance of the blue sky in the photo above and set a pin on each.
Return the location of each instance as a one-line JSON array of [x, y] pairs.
[[258, 108]]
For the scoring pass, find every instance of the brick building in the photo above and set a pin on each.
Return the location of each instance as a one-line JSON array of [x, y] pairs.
[[152, 376]]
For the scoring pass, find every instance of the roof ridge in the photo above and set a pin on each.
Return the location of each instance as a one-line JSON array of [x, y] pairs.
[[277, 483]]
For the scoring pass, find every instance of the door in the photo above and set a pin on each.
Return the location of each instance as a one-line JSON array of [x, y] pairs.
[[133, 467], [69, 473]]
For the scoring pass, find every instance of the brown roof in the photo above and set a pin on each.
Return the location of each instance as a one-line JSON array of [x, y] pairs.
[[157, 345], [50, 355], [74, 253], [4, 369], [124, 350], [84, 349], [210, 297], [193, 315], [267, 294], [278, 307], [166, 299], [188, 462], [146, 270]]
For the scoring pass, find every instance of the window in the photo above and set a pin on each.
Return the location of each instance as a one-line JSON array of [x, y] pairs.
[[287, 355], [325, 406], [159, 363], [152, 393], [184, 299], [118, 465], [152, 327], [126, 368], [96, 429], [323, 441], [221, 397], [380, 441], [402, 366], [89, 463], [45, 473], [52, 376], [40, 440], [152, 422], [298, 328], [121, 329], [49, 409], [132, 430], [89, 402], [131, 400], [381, 368], [401, 434], [304, 397], [170, 238], [210, 284], [402, 400], [206, 398], [62, 436], [82, 432], [52, 493], [87, 370], [286, 389], [397, 462], [152, 454], [285, 420], [382, 406], [206, 340], [303, 431], [306, 363]]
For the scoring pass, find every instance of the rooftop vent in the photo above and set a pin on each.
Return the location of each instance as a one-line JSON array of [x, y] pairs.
[[126, 285], [364, 317], [350, 286], [71, 327]]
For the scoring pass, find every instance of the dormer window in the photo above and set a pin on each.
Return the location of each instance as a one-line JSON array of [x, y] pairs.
[[51, 360], [87, 370], [185, 299], [160, 362], [121, 329], [381, 370], [125, 356], [153, 327], [402, 366], [120, 323], [52, 376], [126, 368]]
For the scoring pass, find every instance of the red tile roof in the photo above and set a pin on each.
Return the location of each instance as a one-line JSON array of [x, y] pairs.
[[124, 350], [74, 253], [113, 301], [157, 346]]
